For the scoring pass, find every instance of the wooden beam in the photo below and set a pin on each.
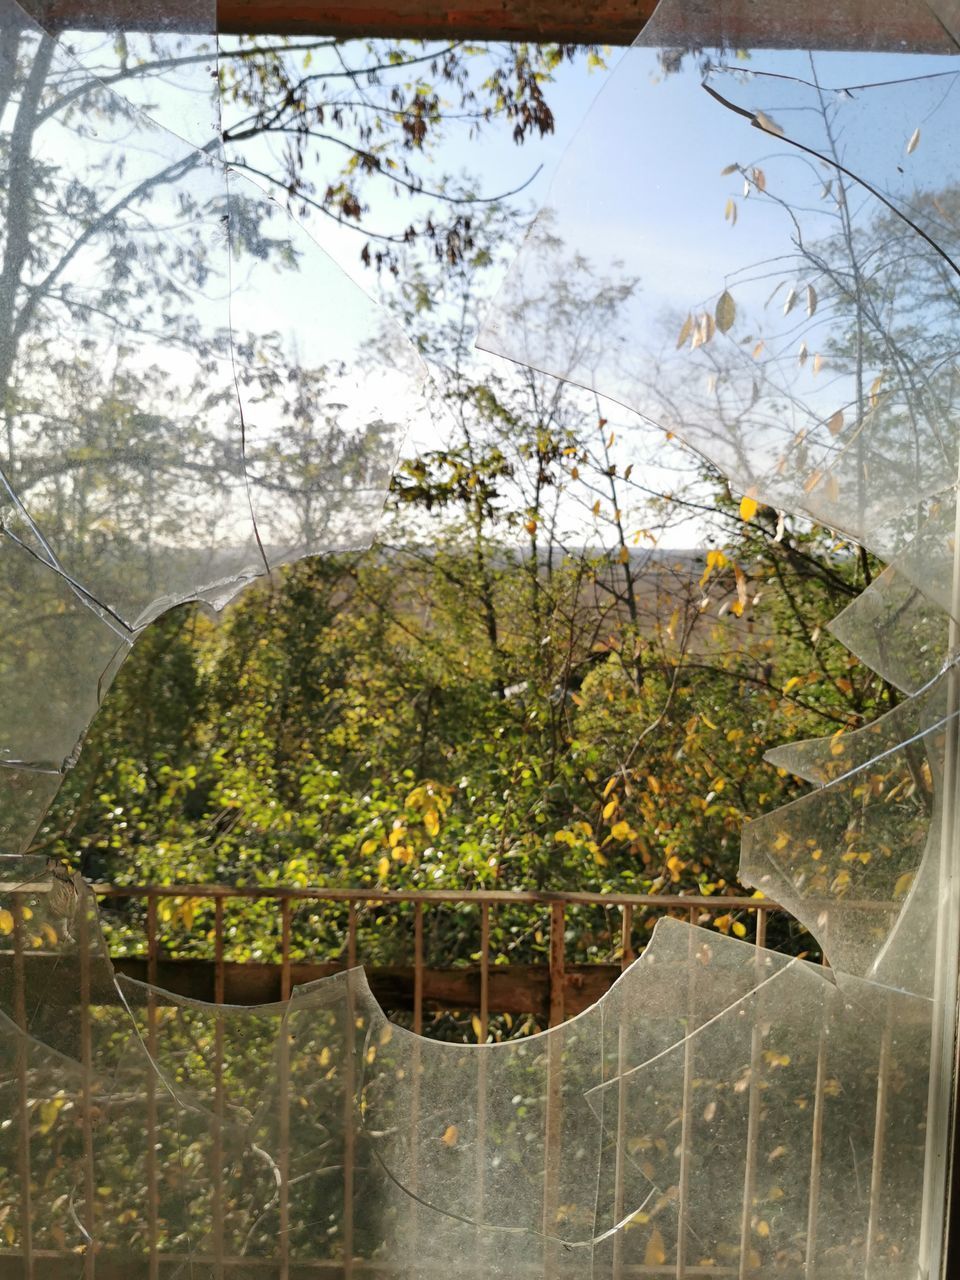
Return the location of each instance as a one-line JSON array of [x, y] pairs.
[[847, 24]]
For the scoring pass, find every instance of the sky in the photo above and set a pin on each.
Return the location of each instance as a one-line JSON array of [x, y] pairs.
[[634, 179]]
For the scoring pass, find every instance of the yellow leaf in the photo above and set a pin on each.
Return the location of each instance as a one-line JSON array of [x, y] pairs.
[[531, 527], [655, 1254], [748, 507], [49, 933], [902, 887], [620, 830], [383, 868], [739, 929], [48, 1114], [610, 808], [431, 820], [611, 783], [914, 139], [726, 312], [6, 921], [791, 684], [450, 1135], [477, 1028], [763, 1229], [730, 211], [624, 555], [369, 846]]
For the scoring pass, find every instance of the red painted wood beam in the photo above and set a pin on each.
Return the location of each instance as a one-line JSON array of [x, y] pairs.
[[828, 24]]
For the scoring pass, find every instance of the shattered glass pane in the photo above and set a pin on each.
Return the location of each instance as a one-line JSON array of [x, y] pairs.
[[193, 394], [790, 228], [179, 414]]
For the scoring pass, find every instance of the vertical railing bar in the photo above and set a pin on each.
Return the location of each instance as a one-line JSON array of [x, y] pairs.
[[620, 1153], [351, 935], [283, 1155], [484, 971], [350, 1102], [23, 1095], [557, 964], [285, 929], [626, 937], [218, 994], [553, 1117], [86, 1064], [482, 1067], [153, 1189], [879, 1139], [816, 1152], [626, 959], [350, 1112], [417, 1067], [418, 968], [760, 933], [685, 1114], [753, 1111]]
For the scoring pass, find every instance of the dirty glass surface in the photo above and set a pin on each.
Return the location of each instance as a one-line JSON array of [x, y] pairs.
[[193, 394], [788, 207]]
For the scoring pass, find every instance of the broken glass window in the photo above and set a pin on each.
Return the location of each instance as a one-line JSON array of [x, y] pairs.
[[193, 394]]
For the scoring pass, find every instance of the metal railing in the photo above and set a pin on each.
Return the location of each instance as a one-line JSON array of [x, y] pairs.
[[187, 944], [562, 983]]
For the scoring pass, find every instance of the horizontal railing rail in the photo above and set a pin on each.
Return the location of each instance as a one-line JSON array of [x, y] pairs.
[[545, 990]]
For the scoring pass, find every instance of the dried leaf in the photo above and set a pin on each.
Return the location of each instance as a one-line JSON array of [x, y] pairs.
[[767, 124], [811, 300], [748, 507], [835, 423], [791, 301], [726, 312], [914, 139], [741, 580], [728, 169], [450, 1135]]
